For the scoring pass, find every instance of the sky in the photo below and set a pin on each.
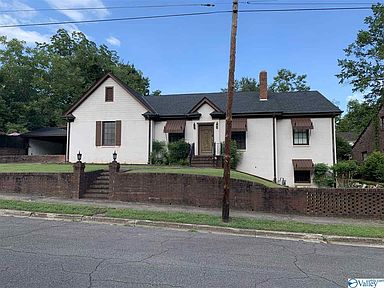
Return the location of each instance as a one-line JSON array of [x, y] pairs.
[[191, 54]]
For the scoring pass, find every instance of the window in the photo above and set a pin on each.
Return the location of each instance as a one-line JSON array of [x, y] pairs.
[[240, 139], [173, 137], [302, 176], [300, 137], [108, 94], [382, 122], [109, 133], [364, 155]]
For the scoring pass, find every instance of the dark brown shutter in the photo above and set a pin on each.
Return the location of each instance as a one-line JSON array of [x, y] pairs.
[[118, 133], [98, 133], [108, 94]]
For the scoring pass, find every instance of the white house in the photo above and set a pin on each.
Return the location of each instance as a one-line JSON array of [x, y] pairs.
[[281, 135]]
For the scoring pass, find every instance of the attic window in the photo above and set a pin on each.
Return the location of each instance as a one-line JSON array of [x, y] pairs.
[[108, 94]]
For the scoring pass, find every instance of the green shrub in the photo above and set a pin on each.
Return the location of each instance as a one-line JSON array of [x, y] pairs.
[[159, 153], [373, 167], [235, 154], [323, 176], [345, 171], [178, 152]]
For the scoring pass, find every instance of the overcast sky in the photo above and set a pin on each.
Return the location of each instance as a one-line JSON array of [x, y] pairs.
[[190, 54]]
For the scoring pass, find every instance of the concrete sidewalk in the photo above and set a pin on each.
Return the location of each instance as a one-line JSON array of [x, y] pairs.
[[191, 209]]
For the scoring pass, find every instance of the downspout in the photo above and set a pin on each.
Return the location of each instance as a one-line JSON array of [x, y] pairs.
[[333, 141], [274, 149], [149, 140], [333, 150], [68, 141]]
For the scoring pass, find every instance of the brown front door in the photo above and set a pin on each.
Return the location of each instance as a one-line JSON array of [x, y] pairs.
[[206, 139]]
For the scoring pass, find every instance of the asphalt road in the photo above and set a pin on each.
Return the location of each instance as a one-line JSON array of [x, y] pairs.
[[43, 253]]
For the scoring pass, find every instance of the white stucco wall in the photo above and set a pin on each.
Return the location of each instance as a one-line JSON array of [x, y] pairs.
[[319, 148], [134, 127], [39, 147], [257, 158]]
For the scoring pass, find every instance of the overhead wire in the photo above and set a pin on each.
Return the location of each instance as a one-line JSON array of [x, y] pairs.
[[109, 7], [183, 15]]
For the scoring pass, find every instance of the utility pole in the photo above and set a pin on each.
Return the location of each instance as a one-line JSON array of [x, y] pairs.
[[228, 120]]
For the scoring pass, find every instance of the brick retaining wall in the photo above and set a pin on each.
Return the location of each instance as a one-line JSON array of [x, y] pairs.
[[42, 184], [202, 191], [32, 159]]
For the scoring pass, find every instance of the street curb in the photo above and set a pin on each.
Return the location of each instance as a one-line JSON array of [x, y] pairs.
[[308, 237]]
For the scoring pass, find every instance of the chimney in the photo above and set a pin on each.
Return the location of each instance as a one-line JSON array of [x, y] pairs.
[[263, 86]]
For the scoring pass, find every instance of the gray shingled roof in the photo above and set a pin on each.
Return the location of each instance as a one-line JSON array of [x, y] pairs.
[[304, 102], [46, 132]]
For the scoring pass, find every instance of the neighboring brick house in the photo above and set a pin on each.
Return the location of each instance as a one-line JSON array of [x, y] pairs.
[[371, 139], [281, 135]]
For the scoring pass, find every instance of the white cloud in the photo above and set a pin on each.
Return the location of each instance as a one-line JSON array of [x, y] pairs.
[[13, 19], [79, 15], [113, 41], [356, 96]]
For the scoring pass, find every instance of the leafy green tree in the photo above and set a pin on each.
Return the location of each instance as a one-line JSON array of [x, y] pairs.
[[286, 81], [363, 66], [373, 167], [323, 176], [156, 93], [38, 84], [343, 149], [357, 117], [345, 171], [245, 84]]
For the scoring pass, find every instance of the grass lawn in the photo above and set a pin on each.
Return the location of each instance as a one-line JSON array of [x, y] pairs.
[[201, 171], [57, 168], [195, 218]]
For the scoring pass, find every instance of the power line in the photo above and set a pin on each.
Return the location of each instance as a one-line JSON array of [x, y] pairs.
[[183, 15], [109, 7], [308, 3]]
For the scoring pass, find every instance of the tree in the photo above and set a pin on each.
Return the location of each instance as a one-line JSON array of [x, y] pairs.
[[245, 84], [156, 92], [343, 149], [357, 117], [286, 81], [38, 84], [363, 66]]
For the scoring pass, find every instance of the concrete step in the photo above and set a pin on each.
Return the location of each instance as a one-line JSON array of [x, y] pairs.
[[95, 196], [98, 186], [99, 191], [98, 181]]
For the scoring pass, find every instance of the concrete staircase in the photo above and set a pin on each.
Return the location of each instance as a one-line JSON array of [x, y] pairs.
[[207, 161], [99, 188]]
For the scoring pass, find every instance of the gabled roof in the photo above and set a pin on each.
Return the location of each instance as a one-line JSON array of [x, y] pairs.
[[203, 101], [287, 103], [136, 95], [245, 104]]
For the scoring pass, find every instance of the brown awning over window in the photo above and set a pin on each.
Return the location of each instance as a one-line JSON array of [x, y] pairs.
[[239, 124], [174, 126], [302, 164], [302, 123]]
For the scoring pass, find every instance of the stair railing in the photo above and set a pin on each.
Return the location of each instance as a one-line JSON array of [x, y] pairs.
[[191, 152]]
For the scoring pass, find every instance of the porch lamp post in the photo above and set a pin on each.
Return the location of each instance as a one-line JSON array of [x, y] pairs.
[[114, 156], [79, 155], [228, 120]]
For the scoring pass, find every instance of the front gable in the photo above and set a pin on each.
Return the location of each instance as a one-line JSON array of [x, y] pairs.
[[109, 89]]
